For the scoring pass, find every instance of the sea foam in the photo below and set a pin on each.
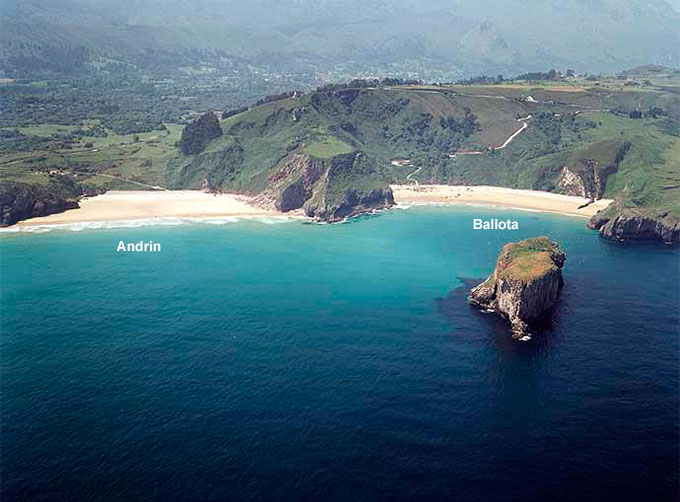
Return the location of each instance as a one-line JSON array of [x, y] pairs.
[[148, 222]]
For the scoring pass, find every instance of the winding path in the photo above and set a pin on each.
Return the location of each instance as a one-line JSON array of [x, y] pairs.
[[498, 147], [414, 172], [513, 135]]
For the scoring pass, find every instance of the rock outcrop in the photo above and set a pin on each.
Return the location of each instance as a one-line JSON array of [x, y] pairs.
[[197, 134], [294, 180], [20, 201], [326, 189], [634, 225], [586, 172], [353, 203], [588, 182], [525, 284]]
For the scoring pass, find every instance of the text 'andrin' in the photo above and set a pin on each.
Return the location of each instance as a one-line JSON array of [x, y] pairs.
[[139, 247], [494, 224]]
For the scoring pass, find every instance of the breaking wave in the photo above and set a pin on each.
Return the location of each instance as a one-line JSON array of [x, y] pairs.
[[148, 222]]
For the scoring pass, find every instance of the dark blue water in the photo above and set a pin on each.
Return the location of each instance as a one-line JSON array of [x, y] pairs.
[[302, 362]]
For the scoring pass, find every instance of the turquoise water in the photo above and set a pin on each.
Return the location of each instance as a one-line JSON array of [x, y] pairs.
[[292, 361]]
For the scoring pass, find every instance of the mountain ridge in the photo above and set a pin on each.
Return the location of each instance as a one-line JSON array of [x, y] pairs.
[[489, 37]]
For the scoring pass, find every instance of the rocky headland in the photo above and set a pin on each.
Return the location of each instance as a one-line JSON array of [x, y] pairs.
[[20, 201], [631, 224], [326, 189], [525, 283]]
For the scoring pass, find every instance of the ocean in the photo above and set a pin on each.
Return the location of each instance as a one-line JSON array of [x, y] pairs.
[[280, 360]]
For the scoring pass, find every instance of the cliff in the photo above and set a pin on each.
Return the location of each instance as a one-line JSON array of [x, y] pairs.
[[20, 201], [328, 189], [525, 283], [630, 224], [586, 171]]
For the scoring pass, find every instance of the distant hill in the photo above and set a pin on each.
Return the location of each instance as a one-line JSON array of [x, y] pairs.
[[432, 39], [651, 70]]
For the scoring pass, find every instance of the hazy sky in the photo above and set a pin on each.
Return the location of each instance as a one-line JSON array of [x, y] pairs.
[[494, 34]]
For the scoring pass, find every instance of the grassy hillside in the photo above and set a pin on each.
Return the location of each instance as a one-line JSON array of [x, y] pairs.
[[619, 133], [385, 124], [572, 126], [591, 129]]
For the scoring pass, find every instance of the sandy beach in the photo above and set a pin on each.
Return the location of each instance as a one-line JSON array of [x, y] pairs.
[[141, 205], [496, 196], [134, 205]]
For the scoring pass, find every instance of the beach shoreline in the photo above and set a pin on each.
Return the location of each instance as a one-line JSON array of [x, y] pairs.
[[131, 205], [510, 198], [142, 205]]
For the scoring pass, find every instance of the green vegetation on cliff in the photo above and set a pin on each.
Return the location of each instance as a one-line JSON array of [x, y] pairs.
[[571, 144], [528, 259], [198, 133], [381, 123], [525, 282], [594, 138]]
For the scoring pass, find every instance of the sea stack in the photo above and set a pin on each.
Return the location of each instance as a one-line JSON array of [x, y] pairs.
[[525, 283]]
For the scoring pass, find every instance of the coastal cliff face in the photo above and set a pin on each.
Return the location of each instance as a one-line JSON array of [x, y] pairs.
[[633, 225], [352, 203], [525, 283], [293, 181], [19, 201], [588, 182], [325, 188], [586, 171]]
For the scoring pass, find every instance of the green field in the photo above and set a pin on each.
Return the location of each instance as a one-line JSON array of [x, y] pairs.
[[327, 148], [135, 157], [578, 124]]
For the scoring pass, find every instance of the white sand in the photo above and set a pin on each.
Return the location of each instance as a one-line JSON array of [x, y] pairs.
[[142, 205], [496, 196], [133, 205]]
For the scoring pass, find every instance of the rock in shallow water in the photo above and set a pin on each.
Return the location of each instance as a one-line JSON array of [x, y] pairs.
[[632, 225], [525, 283]]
